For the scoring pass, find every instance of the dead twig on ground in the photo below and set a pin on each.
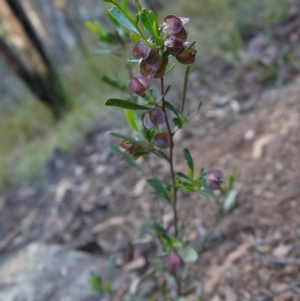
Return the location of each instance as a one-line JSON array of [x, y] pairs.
[[276, 260], [289, 287]]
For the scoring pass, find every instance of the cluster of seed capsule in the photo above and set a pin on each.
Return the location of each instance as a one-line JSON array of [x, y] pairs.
[[153, 62]]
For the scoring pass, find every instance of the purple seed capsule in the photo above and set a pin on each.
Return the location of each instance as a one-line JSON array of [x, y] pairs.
[[187, 57], [154, 118], [162, 140], [213, 179], [174, 262], [173, 24], [176, 40], [139, 84]]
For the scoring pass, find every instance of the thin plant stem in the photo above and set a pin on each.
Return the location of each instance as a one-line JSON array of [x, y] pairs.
[[170, 160], [177, 280], [160, 154]]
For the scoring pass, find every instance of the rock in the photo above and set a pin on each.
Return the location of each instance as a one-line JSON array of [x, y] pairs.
[[249, 134], [100, 169], [235, 106], [221, 101], [78, 171], [282, 250], [41, 272]]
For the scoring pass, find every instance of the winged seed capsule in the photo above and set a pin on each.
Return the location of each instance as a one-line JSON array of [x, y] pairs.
[[162, 140], [139, 84], [174, 262], [213, 179], [154, 117]]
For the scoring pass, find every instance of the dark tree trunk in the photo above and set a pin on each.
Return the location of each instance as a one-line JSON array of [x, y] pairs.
[[42, 87], [30, 61]]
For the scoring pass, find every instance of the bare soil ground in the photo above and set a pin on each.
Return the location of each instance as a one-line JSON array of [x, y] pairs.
[[96, 203]]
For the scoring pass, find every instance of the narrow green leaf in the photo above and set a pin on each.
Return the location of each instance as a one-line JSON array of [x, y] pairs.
[[113, 20], [113, 83], [204, 192], [181, 175], [125, 104], [189, 187], [148, 19], [207, 191], [189, 159], [150, 134], [165, 93], [113, 38], [127, 138], [128, 159], [170, 69], [134, 37], [139, 154], [198, 108], [138, 5], [124, 5], [159, 188], [123, 19], [167, 90], [92, 27], [137, 19], [132, 119], [196, 111], [231, 179], [153, 93], [202, 173], [177, 122], [188, 254], [185, 81], [172, 109], [161, 232], [190, 46], [231, 200], [190, 173], [156, 32]]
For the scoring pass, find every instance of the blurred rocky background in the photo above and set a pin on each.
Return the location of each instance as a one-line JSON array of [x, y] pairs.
[[67, 204]]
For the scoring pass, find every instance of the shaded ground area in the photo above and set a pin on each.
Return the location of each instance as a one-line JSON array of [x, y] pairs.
[[92, 201]]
